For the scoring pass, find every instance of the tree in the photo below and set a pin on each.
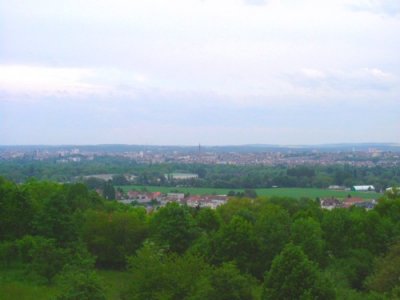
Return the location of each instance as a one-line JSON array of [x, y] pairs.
[[336, 225], [108, 190], [208, 220], [234, 206], [78, 280], [294, 276], [386, 271], [173, 227], [356, 267], [46, 259], [156, 274], [112, 236], [56, 220], [273, 232], [236, 242], [80, 285], [307, 234], [17, 211], [224, 283]]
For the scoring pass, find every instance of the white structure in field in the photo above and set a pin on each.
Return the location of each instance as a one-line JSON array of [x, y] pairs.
[[363, 188]]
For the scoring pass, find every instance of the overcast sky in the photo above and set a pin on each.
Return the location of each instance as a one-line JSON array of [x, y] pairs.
[[199, 71]]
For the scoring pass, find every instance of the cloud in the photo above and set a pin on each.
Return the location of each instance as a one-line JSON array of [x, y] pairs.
[[379, 74], [38, 80], [356, 82], [386, 7], [256, 2], [313, 73]]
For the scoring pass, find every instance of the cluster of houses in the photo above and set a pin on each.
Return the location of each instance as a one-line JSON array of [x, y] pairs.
[[331, 203], [160, 199]]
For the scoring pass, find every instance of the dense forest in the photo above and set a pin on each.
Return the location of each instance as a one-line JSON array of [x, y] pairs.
[[216, 176], [60, 236]]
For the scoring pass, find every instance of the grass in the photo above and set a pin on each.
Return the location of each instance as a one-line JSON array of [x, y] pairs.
[[14, 285], [283, 192], [115, 282]]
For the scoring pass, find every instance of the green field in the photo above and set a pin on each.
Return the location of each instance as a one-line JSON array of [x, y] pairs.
[[284, 192], [14, 285]]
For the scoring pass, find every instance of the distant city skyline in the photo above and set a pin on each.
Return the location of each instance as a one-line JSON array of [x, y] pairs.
[[184, 72]]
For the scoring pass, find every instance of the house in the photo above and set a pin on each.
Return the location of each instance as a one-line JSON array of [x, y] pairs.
[[367, 205], [211, 201], [176, 196], [330, 203], [133, 194], [363, 188], [141, 197], [352, 201], [193, 201], [126, 201]]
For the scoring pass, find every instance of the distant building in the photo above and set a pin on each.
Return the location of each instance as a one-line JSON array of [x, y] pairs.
[[178, 196], [105, 177], [330, 203], [367, 205], [211, 201], [363, 188], [337, 187], [352, 201], [181, 176], [392, 189]]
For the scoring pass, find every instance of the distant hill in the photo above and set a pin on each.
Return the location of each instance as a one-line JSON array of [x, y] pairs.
[[343, 147]]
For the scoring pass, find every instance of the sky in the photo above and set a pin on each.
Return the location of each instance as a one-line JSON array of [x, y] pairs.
[[214, 72]]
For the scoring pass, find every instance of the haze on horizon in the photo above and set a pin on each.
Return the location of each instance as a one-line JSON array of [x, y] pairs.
[[218, 72]]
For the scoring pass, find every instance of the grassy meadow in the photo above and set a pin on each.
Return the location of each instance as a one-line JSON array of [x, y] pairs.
[[15, 284], [282, 192]]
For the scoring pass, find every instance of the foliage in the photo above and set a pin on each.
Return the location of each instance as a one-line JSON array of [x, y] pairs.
[[386, 271], [159, 275], [307, 234], [208, 220], [273, 231], [46, 259], [17, 211], [224, 283], [236, 242], [294, 276], [173, 227], [55, 235], [111, 236], [76, 284]]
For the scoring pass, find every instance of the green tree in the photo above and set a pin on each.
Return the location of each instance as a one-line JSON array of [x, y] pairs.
[[272, 229], [113, 236], [80, 285], [156, 274], [46, 259], [108, 190], [224, 283], [17, 211], [208, 220], [307, 234], [173, 227], [236, 242], [294, 276], [234, 206], [335, 225], [386, 271]]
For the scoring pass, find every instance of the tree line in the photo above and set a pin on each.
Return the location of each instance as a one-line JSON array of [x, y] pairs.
[[262, 248], [216, 176]]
